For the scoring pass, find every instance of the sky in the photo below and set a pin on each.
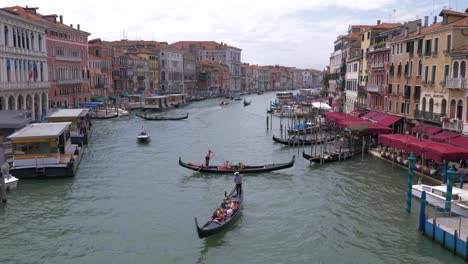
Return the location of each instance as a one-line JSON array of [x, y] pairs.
[[294, 33]]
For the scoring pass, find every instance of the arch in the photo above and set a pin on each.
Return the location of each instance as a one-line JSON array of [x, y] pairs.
[[45, 103], [460, 109], [452, 108], [423, 105], [11, 103], [29, 102], [455, 69], [443, 107], [20, 102], [431, 106], [37, 110], [463, 69]]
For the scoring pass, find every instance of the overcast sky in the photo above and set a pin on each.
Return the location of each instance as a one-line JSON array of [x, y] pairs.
[[297, 33]]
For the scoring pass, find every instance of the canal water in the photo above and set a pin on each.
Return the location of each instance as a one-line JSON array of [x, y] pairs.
[[133, 203]]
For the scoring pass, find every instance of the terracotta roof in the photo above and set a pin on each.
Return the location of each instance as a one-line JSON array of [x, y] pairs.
[[452, 13], [353, 35], [386, 26], [37, 17]]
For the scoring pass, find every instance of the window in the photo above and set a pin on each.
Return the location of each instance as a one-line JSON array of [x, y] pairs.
[[368, 35], [463, 69], [446, 72], [419, 68], [434, 67], [436, 45], [398, 89], [427, 51], [410, 73], [448, 44], [455, 69], [420, 46], [426, 73]]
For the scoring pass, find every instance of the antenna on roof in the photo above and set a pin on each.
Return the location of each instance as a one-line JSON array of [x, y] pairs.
[[394, 15]]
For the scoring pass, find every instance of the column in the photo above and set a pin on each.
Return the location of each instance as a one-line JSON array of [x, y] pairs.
[[40, 107], [10, 35], [46, 71], [2, 34]]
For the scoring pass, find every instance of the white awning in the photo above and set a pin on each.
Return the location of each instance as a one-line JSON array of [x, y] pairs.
[[321, 105]]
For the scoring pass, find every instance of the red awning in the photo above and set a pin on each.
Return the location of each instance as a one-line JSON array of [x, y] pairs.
[[376, 118], [445, 136], [389, 120], [417, 147], [335, 116], [426, 130], [369, 115], [441, 151], [357, 112], [461, 142], [335, 104], [398, 141]]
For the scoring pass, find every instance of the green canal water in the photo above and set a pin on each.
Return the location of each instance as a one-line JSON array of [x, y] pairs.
[[133, 203]]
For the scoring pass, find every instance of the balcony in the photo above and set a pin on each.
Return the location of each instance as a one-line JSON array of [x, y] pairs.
[[377, 65], [452, 124], [374, 88], [456, 83], [23, 51], [447, 51], [73, 81], [67, 58], [434, 53], [428, 116], [19, 86]]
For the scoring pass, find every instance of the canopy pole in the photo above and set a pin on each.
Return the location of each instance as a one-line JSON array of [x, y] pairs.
[[448, 194], [409, 184]]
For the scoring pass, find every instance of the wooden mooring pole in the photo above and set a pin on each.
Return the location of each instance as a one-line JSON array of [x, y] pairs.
[[267, 121], [3, 193]]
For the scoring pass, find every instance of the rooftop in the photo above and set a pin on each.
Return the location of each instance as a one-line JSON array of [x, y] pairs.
[[40, 130], [14, 119], [79, 112]]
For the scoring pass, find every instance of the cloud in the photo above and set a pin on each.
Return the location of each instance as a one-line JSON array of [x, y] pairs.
[[294, 33]]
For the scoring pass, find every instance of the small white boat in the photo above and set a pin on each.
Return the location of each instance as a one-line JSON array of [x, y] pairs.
[[435, 196], [122, 112], [11, 182], [143, 136]]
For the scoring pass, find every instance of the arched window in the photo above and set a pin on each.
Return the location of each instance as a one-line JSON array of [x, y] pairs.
[[443, 109], [463, 69], [455, 69], [460, 110], [452, 108], [431, 105]]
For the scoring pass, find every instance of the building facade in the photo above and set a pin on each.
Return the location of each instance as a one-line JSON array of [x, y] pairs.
[[101, 82], [23, 65]]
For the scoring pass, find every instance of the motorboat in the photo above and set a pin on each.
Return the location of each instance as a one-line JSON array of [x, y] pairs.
[[143, 136], [436, 195], [10, 182], [122, 112], [224, 103]]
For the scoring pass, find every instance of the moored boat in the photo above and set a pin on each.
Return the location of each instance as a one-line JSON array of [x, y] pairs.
[[246, 103], [296, 141], [328, 157], [214, 225], [237, 98], [10, 182], [233, 168], [147, 116], [435, 196]]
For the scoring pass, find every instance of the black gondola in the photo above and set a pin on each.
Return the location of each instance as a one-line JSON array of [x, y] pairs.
[[161, 118], [295, 141], [328, 157], [246, 103], [212, 226], [233, 168]]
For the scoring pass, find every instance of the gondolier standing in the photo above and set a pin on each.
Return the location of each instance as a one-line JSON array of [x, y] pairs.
[[208, 156], [238, 182]]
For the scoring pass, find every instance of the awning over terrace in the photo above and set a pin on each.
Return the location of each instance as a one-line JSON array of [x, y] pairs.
[[445, 137], [426, 130], [429, 149]]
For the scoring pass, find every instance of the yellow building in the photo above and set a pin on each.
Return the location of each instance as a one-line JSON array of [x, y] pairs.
[[443, 98], [153, 68]]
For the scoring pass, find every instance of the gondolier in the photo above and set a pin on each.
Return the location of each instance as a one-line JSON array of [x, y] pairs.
[[238, 182], [208, 156]]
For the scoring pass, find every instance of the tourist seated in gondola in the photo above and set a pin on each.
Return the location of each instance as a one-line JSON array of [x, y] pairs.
[[229, 213], [227, 164], [219, 215], [234, 206], [226, 204]]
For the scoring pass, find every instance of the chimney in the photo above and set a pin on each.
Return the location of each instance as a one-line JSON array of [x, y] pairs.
[[445, 19], [378, 22], [405, 32], [435, 20], [78, 26], [71, 25], [418, 28], [61, 19], [426, 21]]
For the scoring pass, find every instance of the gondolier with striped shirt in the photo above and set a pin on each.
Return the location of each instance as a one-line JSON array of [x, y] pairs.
[[208, 156], [238, 182]]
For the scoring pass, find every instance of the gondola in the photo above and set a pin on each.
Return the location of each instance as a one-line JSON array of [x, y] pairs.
[[328, 157], [237, 99], [161, 118], [246, 103], [224, 103], [212, 227], [301, 142], [233, 168]]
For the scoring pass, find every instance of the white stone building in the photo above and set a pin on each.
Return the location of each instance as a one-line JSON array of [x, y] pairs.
[[171, 64], [352, 83], [24, 81]]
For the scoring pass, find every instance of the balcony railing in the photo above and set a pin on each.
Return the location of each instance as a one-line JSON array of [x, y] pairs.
[[374, 88], [67, 58], [456, 83], [434, 53], [73, 81], [12, 86], [447, 51], [453, 124], [428, 116], [377, 65]]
